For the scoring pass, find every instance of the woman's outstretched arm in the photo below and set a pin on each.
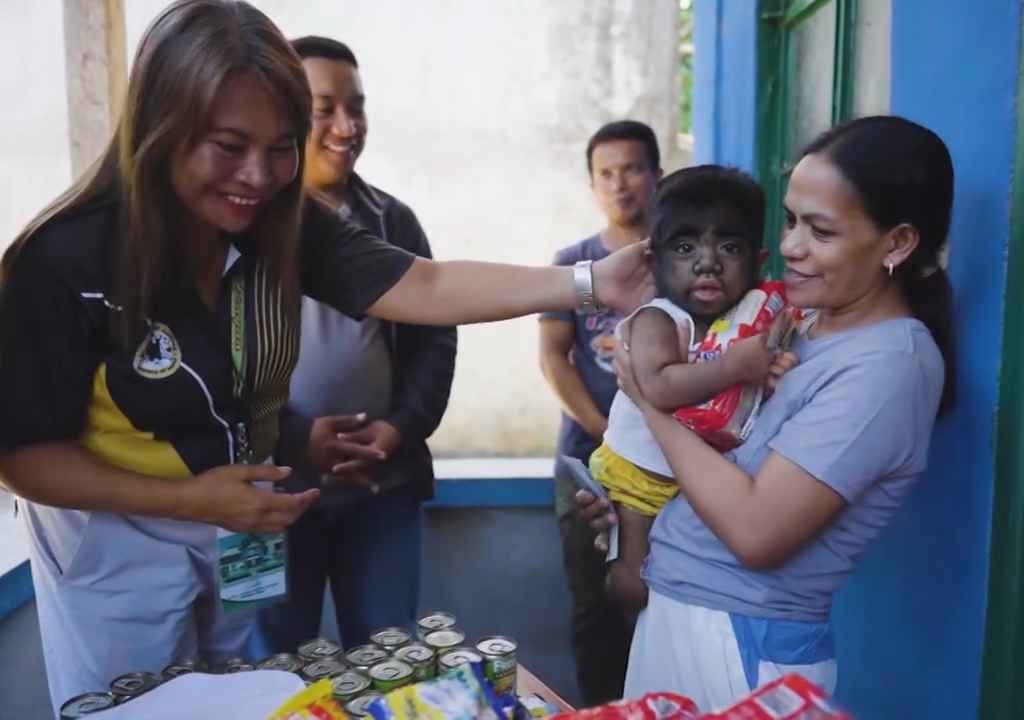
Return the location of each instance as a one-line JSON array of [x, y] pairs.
[[460, 292]]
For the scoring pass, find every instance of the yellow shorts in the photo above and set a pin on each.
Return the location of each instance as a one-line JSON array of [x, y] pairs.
[[635, 488]]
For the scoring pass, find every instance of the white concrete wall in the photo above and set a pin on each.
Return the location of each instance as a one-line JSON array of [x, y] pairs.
[[479, 116], [35, 163]]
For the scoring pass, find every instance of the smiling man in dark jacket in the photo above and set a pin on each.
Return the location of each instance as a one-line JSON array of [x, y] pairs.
[[365, 396]]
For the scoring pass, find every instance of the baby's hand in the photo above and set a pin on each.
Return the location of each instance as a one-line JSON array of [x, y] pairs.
[[749, 359]]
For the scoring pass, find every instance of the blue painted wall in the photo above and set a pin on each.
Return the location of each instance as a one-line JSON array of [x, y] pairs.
[[911, 622], [725, 82]]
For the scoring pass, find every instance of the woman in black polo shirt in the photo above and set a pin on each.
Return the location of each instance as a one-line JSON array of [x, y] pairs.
[[149, 327]]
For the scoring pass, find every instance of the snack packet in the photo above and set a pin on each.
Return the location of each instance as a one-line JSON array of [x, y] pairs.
[[652, 706], [791, 697], [725, 420], [460, 694], [316, 701]]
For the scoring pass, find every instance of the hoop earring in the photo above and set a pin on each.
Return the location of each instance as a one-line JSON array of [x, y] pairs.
[[890, 266]]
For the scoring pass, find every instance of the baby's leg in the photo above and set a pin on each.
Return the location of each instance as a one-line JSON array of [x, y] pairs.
[[624, 582]]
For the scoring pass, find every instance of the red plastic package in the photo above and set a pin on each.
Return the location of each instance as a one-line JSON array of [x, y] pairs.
[[725, 420], [791, 697], [652, 706]]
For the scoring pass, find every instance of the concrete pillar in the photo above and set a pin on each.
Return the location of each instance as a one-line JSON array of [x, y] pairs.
[[95, 66]]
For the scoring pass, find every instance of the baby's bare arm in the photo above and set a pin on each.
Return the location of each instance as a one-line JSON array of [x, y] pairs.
[[665, 377]]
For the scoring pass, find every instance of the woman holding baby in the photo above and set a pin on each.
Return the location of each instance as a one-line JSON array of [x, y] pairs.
[[745, 561]]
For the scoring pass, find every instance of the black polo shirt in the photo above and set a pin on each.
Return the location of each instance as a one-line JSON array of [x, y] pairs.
[[167, 407]]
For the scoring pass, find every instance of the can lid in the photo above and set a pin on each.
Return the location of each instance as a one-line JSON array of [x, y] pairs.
[[131, 684], [349, 682], [415, 653], [281, 661], [391, 670], [357, 707], [366, 655], [323, 668], [391, 636], [436, 619], [238, 667], [85, 704], [497, 645], [319, 647], [459, 656], [448, 637]]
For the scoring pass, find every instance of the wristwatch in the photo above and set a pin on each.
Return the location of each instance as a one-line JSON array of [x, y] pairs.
[[583, 282]]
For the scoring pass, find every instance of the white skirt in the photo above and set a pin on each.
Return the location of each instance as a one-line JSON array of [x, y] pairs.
[[693, 651]]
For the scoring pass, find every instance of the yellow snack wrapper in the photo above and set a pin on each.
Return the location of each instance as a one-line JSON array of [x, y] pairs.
[[315, 702]]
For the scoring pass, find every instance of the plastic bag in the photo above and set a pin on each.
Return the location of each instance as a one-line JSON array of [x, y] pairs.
[[725, 420], [791, 697], [316, 701], [652, 706], [459, 694]]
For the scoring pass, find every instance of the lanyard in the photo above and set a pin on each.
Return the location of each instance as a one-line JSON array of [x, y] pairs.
[[243, 451]]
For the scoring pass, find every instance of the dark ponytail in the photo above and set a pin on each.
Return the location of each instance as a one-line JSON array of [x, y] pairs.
[[903, 173]]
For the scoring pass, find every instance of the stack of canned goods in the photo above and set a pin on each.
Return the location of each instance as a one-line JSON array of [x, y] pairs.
[[393, 658]]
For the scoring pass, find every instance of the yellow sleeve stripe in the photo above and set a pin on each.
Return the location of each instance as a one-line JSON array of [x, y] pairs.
[[111, 437]]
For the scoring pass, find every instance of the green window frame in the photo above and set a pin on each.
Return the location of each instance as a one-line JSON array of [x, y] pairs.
[[777, 74], [1002, 693]]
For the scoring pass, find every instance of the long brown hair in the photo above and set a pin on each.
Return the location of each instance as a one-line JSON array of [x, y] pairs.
[[183, 60]]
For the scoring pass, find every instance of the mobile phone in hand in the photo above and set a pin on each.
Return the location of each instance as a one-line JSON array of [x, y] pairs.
[[584, 481], [582, 478]]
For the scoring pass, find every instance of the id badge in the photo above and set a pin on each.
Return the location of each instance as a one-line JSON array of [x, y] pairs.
[[253, 567]]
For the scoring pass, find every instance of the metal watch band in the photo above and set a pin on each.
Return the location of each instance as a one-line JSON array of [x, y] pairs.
[[583, 282]]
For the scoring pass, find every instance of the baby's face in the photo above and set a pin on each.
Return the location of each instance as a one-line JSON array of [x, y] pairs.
[[707, 261]]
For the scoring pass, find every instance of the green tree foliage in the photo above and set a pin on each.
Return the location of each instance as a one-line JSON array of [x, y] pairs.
[[685, 64]]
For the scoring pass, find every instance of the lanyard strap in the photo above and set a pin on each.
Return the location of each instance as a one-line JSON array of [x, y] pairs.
[[238, 333], [243, 451]]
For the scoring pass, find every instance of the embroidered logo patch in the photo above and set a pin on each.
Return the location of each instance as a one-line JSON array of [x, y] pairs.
[[159, 355]]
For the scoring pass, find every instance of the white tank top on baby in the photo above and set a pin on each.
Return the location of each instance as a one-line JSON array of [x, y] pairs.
[[627, 434]]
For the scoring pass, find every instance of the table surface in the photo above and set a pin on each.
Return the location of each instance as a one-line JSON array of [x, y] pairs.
[[528, 684]]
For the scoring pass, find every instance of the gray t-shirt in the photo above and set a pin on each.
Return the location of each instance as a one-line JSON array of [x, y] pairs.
[[857, 414]]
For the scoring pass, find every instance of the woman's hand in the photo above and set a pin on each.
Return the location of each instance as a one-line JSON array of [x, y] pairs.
[[224, 496], [598, 514], [623, 366], [623, 280]]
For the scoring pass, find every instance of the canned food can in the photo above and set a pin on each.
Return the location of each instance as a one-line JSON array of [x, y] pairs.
[[499, 653], [282, 661], [357, 707], [324, 668], [456, 657], [236, 665], [86, 704], [441, 640], [180, 667], [421, 658], [231, 665], [391, 638], [364, 657], [131, 685], [390, 674], [349, 685], [435, 620], [318, 648]]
